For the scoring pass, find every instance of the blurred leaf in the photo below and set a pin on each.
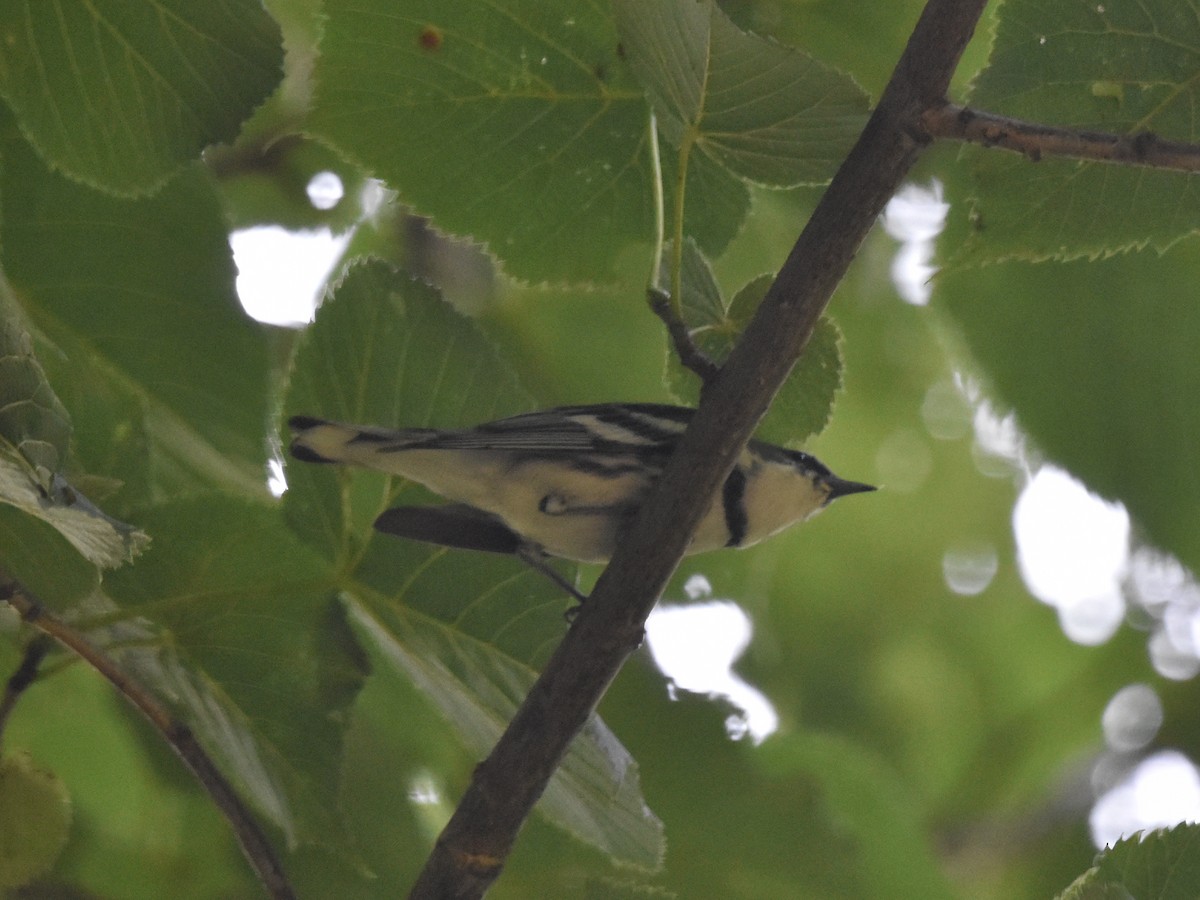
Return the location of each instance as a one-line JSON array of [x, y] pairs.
[[121, 95], [893, 860], [142, 828], [770, 114], [35, 819], [253, 649], [1085, 353], [38, 555], [1091, 66], [138, 297], [1159, 865], [467, 628], [267, 184], [804, 404]]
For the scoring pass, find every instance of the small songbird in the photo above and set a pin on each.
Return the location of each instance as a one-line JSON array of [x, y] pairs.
[[565, 482]]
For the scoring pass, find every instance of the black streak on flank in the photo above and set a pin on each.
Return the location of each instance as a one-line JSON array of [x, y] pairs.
[[733, 497]]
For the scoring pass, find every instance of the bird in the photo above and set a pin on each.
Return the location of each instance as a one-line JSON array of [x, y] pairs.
[[566, 482]]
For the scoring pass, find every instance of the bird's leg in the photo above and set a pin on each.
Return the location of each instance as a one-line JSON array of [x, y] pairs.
[[532, 556]]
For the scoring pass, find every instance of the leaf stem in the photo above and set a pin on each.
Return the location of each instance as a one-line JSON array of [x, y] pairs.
[[254, 844], [656, 194], [685, 152], [669, 307]]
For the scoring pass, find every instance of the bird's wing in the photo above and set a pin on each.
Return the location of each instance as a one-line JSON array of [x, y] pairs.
[[453, 525], [607, 428]]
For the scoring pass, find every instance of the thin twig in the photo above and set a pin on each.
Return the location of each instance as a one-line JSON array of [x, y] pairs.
[[22, 678], [254, 844], [689, 354], [471, 851], [1037, 141]]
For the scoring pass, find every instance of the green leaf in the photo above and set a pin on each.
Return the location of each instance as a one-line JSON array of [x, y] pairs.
[[467, 628], [717, 202], [253, 649], [1113, 67], [803, 406], [1085, 354], [595, 794], [34, 434], [100, 539], [515, 123], [770, 114], [35, 819], [32, 420], [1159, 865], [136, 301], [840, 35], [38, 555], [893, 858], [701, 302], [121, 95]]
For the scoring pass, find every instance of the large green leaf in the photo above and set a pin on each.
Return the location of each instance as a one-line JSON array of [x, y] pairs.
[[515, 123], [1096, 359], [1115, 67], [770, 114], [468, 629], [252, 648], [136, 301], [120, 94]]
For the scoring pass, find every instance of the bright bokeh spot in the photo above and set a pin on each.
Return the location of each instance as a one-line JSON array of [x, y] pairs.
[[915, 217], [903, 461], [946, 412], [281, 273], [1169, 595], [1162, 790], [1132, 718], [325, 190], [1073, 551], [969, 567], [696, 645]]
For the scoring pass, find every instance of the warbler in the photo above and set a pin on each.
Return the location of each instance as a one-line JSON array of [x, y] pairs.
[[565, 482]]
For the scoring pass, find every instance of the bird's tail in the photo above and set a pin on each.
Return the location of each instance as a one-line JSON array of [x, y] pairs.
[[321, 441]]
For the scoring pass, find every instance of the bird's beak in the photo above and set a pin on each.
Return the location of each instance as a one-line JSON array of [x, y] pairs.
[[840, 487]]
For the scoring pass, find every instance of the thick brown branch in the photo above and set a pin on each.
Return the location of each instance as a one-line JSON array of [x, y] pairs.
[[1039, 141], [253, 842], [472, 849]]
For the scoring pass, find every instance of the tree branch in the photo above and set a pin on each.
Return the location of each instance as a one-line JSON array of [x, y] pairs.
[[1038, 141], [471, 851], [690, 355], [254, 844], [22, 678]]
